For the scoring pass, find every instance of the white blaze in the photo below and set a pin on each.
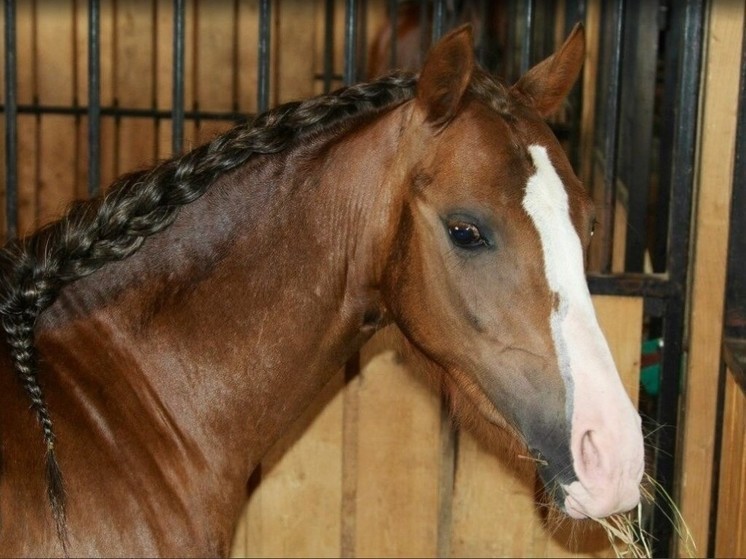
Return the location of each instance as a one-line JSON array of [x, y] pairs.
[[596, 401]]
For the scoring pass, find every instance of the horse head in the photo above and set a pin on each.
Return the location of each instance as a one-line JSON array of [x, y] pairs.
[[485, 276]]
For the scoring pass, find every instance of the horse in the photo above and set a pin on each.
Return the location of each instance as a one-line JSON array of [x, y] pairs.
[[168, 332]]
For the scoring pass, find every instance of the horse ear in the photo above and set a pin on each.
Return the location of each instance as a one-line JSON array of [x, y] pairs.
[[545, 86], [445, 75]]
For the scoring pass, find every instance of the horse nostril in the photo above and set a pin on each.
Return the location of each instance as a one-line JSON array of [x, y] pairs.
[[590, 455]]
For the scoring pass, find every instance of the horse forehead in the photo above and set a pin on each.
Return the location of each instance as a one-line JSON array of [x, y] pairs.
[[482, 148]]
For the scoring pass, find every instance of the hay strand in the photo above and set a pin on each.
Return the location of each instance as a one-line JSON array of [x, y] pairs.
[[625, 531]]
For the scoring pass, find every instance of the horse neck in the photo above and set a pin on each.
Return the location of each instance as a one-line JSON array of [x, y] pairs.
[[217, 334]]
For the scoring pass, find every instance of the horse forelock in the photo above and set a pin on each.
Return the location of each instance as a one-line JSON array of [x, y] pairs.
[[490, 90]]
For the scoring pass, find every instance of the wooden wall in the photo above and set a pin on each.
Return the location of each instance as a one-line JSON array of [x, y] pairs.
[[730, 537], [375, 467], [719, 101]]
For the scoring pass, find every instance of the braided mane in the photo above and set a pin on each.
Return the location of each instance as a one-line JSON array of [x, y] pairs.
[[112, 227]]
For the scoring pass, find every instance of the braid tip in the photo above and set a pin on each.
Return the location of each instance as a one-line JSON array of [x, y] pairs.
[[56, 494]]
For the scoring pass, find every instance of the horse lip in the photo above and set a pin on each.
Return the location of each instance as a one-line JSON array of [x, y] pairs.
[[554, 485], [571, 507]]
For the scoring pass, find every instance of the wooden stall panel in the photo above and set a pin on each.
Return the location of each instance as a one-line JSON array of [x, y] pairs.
[[216, 74], [696, 451], [27, 124], [44, 77], [494, 511], [494, 514], [294, 38], [398, 458], [57, 146], [295, 511], [731, 517], [134, 82], [248, 55]]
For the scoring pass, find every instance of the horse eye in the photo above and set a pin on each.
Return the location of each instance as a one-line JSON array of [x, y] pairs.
[[466, 235], [593, 227]]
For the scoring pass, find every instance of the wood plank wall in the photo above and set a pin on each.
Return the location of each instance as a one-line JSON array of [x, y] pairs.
[[730, 538], [724, 30], [375, 467]]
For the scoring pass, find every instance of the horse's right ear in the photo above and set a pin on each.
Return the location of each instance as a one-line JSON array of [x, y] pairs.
[[445, 75]]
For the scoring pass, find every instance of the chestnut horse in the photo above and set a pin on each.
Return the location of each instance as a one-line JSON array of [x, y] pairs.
[[181, 323]]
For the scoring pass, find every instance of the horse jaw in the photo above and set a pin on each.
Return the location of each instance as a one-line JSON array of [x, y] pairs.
[[606, 440]]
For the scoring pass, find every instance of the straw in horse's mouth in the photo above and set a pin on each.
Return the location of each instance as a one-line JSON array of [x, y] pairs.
[[627, 536], [539, 461]]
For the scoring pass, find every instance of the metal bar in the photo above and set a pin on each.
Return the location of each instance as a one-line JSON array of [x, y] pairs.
[[424, 25], [574, 13], [634, 285], [262, 85], [439, 12], [362, 40], [328, 45], [94, 97], [350, 47], [527, 42], [735, 318], [668, 20], [177, 91], [682, 187], [509, 66], [636, 122], [611, 127], [120, 112], [394, 22], [11, 130], [481, 38], [333, 76]]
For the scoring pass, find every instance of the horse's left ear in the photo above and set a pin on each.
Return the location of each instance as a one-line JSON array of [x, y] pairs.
[[445, 75], [546, 85]]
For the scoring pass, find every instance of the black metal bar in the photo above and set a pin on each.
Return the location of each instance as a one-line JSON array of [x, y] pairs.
[[611, 127], [636, 122], [527, 42], [262, 77], [481, 38], [177, 91], [634, 285], [667, 116], [439, 12], [11, 116], [94, 97], [424, 27], [333, 76], [575, 12], [682, 186], [735, 310], [328, 75], [394, 22], [120, 112], [507, 66], [362, 40], [350, 47]]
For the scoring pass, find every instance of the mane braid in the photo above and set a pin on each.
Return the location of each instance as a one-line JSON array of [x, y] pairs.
[[112, 227]]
